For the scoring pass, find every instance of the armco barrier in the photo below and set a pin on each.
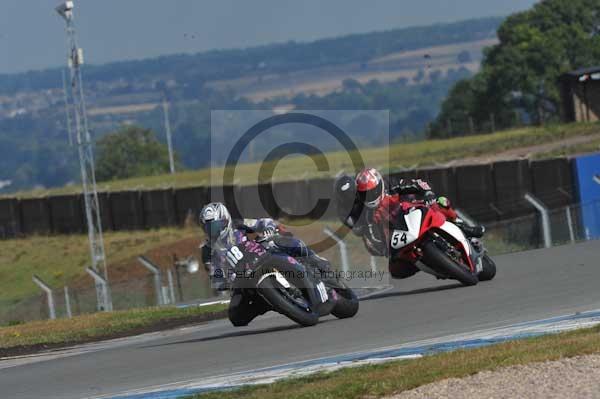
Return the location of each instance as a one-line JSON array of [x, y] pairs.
[[443, 181], [190, 200], [553, 181], [292, 197], [126, 209], [476, 191], [512, 180], [105, 213], [10, 225], [269, 204], [321, 189], [35, 216], [158, 208], [66, 214], [249, 203], [487, 192]]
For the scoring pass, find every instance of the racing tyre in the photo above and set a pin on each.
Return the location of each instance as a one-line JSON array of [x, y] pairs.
[[438, 260], [347, 303], [489, 269], [274, 294]]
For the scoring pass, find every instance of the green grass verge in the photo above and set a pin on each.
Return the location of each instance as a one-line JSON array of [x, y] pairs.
[[583, 148], [398, 376], [60, 259], [97, 326], [424, 153]]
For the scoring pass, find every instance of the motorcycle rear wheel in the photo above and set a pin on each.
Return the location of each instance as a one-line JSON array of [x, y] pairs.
[[269, 289], [436, 259]]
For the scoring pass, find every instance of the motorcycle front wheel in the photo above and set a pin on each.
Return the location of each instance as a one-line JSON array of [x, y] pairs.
[[436, 259], [489, 269], [347, 302], [283, 302]]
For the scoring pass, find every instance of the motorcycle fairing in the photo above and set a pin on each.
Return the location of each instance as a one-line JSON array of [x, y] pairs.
[[457, 233], [403, 236]]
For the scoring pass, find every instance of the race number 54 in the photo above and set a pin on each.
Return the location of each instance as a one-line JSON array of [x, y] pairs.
[[399, 239]]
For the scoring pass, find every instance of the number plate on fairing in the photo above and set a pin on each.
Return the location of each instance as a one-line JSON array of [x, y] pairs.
[[322, 292], [401, 238]]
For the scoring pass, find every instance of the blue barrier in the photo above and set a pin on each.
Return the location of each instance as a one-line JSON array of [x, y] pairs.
[[588, 186]]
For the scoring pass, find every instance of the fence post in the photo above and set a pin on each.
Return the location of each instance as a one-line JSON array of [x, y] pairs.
[[570, 224], [157, 280], [373, 264], [68, 303], [100, 280], [343, 248], [171, 285], [48, 290], [545, 218]]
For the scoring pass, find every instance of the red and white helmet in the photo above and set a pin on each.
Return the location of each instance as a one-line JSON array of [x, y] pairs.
[[370, 187]]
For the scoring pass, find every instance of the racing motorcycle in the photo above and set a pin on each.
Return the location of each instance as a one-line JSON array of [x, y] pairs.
[[287, 284], [421, 235]]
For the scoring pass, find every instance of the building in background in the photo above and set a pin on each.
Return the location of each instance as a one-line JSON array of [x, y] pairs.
[[580, 95]]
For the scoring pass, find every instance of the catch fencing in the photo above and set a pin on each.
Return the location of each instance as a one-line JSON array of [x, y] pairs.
[[488, 192], [517, 234]]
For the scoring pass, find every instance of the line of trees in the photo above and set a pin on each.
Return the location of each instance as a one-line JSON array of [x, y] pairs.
[[519, 78]]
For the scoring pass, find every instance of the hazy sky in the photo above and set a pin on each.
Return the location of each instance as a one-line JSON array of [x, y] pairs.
[[32, 35]]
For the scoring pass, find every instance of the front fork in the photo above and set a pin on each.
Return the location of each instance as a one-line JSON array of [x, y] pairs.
[[478, 251]]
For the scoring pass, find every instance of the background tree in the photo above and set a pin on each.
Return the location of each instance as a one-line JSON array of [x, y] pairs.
[[520, 74], [131, 151]]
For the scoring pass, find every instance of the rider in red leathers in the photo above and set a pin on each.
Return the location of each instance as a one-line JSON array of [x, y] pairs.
[[367, 207]]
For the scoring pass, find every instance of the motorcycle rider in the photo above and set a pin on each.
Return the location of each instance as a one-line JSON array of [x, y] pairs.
[[223, 233], [364, 203]]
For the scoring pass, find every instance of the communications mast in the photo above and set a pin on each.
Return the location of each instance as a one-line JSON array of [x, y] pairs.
[[86, 159]]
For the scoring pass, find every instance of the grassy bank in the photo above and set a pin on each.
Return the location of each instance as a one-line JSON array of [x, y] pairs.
[[395, 377], [59, 260], [582, 148], [424, 153], [29, 337]]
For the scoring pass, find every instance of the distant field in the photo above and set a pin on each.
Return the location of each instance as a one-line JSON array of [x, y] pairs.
[[321, 81], [474, 149]]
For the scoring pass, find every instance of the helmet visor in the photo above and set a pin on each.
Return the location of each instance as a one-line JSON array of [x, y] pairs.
[[371, 197], [213, 228]]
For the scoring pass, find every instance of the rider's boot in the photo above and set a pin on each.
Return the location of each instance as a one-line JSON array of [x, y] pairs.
[[476, 231]]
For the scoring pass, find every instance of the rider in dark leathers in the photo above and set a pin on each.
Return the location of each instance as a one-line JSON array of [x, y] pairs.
[[223, 233]]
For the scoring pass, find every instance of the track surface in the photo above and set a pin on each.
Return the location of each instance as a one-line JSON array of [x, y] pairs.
[[529, 285]]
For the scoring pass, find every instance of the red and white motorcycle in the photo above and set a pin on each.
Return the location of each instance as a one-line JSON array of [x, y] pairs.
[[422, 236]]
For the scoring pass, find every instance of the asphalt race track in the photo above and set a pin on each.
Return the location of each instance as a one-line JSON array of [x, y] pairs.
[[529, 285]]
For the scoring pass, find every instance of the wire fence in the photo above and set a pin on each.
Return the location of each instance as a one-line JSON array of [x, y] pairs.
[[569, 224], [134, 293]]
